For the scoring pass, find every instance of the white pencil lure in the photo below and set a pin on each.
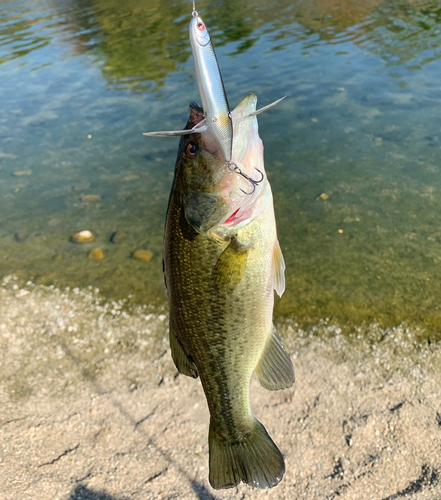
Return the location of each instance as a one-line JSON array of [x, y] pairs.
[[211, 87], [217, 116]]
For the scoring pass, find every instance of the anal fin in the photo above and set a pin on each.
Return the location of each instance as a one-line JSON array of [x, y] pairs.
[[275, 370], [182, 362]]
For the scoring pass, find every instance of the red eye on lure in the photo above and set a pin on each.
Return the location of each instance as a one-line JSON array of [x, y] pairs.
[[201, 26]]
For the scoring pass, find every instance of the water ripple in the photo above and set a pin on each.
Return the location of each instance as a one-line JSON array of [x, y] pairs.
[[24, 28], [138, 43]]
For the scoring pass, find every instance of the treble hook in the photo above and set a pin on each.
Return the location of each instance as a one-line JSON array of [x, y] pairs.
[[234, 168]]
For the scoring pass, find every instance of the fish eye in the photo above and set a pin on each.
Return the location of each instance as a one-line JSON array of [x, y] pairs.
[[200, 26], [191, 149]]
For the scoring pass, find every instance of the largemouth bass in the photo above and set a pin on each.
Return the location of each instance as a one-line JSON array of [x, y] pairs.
[[222, 262]]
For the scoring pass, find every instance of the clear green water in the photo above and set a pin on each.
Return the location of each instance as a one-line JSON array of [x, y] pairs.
[[361, 124]]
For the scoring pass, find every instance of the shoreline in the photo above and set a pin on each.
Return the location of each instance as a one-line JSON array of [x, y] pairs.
[[92, 408]]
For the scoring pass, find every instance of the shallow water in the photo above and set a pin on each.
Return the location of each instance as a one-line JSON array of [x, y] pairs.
[[81, 80]]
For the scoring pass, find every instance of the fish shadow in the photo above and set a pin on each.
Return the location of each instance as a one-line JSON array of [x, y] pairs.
[[82, 492], [202, 492]]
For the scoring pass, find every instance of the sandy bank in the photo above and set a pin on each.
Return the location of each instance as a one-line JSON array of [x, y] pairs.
[[91, 408]]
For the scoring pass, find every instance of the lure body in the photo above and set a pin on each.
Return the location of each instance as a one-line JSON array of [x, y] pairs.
[[211, 87], [217, 116]]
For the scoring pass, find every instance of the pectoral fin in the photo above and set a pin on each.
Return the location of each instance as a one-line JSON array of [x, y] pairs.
[[230, 266], [182, 362], [278, 270], [274, 370]]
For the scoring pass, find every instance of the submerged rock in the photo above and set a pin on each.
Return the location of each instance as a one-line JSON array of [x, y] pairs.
[[118, 236], [90, 198], [83, 237], [145, 255], [81, 187], [20, 236], [22, 173], [96, 254], [131, 177]]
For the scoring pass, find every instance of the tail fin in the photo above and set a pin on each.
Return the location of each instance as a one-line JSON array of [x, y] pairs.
[[255, 460]]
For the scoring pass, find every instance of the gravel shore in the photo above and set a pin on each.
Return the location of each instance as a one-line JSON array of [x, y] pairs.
[[92, 408]]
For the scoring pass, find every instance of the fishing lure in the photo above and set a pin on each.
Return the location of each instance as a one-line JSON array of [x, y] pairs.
[[217, 116], [211, 86]]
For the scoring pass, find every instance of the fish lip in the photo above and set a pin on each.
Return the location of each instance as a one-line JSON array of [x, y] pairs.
[[202, 38], [196, 106], [196, 115]]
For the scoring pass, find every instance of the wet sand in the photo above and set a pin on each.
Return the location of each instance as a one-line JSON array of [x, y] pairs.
[[91, 408]]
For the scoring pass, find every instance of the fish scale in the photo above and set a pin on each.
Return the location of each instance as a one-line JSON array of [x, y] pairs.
[[207, 322]]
